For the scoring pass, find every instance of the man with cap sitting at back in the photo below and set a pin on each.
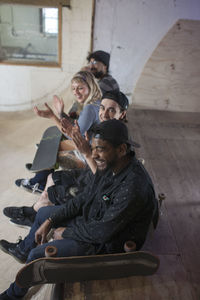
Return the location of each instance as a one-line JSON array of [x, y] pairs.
[[117, 205], [98, 64]]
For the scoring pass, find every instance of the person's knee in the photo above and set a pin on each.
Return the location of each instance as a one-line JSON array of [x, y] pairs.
[[35, 253], [42, 214], [45, 212]]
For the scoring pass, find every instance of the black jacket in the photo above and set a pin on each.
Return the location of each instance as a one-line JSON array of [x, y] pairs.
[[111, 210]]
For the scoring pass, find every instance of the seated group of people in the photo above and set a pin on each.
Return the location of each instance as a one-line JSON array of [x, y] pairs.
[[107, 199]]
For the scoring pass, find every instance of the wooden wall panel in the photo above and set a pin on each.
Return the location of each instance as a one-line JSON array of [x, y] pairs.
[[170, 78]]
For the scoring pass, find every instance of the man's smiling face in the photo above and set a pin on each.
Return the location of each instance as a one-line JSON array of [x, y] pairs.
[[104, 154]]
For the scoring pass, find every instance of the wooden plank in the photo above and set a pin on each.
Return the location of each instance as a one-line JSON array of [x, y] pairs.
[[169, 283], [170, 146]]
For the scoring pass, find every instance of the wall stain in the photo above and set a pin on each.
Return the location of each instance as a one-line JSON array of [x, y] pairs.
[[172, 66]]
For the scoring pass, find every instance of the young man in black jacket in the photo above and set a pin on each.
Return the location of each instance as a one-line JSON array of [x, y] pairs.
[[117, 205]]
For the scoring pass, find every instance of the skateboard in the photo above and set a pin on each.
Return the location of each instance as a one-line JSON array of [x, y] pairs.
[[46, 155], [82, 268]]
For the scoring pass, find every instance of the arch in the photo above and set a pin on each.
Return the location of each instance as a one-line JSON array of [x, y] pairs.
[[170, 78]]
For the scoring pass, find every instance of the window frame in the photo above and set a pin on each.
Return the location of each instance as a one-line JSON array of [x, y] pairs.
[[40, 4]]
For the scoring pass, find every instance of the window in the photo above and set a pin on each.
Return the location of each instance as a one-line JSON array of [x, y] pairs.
[[30, 35], [50, 21]]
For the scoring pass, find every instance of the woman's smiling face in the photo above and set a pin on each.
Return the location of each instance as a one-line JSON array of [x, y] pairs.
[[80, 91]]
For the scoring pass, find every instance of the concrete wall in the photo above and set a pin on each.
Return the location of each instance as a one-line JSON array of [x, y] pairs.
[[23, 86], [131, 30]]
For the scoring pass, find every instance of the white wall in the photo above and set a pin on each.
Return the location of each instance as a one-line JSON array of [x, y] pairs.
[[132, 29], [23, 86]]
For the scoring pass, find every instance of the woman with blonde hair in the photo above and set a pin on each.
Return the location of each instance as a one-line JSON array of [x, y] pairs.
[[88, 96]]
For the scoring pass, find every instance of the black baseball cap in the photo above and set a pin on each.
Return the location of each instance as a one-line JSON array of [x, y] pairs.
[[113, 131], [118, 97], [101, 56]]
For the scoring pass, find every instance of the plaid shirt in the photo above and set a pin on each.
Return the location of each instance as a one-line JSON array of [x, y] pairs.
[[108, 83]]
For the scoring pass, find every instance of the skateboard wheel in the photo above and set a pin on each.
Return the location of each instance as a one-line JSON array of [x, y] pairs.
[[129, 246], [161, 197], [50, 251], [141, 160]]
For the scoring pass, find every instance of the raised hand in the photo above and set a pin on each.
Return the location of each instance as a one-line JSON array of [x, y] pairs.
[[47, 113], [86, 68], [66, 126], [82, 144], [58, 104]]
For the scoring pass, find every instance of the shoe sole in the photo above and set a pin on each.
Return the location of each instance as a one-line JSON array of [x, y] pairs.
[[20, 225], [7, 252]]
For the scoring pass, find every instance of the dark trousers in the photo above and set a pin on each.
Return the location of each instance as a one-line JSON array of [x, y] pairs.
[[66, 247], [41, 178]]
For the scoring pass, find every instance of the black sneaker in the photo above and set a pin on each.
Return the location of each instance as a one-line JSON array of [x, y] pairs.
[[14, 212], [4, 296], [31, 188], [25, 222], [13, 250]]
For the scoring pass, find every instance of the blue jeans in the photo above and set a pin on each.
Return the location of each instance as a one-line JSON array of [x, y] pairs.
[[41, 178], [66, 247]]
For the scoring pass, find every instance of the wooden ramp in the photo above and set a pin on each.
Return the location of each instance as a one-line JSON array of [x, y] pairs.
[[171, 149], [170, 78], [170, 145]]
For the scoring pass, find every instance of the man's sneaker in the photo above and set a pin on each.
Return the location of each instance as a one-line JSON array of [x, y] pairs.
[[4, 296], [13, 250], [26, 222], [31, 188], [14, 212]]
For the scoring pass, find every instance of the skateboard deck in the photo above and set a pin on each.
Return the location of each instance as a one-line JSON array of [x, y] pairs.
[[81, 268], [46, 155]]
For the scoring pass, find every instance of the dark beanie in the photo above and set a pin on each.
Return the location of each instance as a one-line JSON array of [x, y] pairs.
[[118, 97], [101, 56]]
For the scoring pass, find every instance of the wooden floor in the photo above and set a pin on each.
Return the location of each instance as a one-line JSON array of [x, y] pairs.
[[171, 149]]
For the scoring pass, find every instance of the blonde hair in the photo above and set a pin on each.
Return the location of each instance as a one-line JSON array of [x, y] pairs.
[[89, 79]]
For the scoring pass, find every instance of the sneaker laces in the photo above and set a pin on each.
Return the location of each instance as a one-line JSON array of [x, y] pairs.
[[19, 239], [25, 182], [36, 188]]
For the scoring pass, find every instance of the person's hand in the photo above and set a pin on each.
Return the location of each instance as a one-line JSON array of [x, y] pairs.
[[82, 144], [47, 113], [57, 235], [41, 233], [58, 104], [66, 126], [86, 68]]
